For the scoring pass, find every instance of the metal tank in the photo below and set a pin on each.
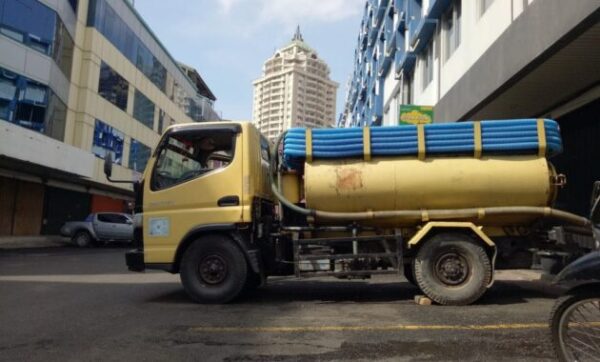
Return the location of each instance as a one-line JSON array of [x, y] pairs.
[[436, 183]]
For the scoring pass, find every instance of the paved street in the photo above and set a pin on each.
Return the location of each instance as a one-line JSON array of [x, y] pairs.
[[71, 304]]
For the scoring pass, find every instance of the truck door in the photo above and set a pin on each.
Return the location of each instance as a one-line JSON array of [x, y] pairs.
[[195, 181]]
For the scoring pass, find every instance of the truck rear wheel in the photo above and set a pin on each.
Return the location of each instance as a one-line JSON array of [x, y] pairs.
[[453, 269], [213, 270]]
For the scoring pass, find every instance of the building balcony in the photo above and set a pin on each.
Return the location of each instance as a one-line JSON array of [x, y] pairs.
[[423, 34], [437, 8], [379, 11], [405, 62], [413, 16]]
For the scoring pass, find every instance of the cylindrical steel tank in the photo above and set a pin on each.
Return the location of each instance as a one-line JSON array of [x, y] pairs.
[[436, 183]]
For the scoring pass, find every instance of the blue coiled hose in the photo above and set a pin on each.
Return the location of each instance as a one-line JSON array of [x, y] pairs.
[[442, 139]]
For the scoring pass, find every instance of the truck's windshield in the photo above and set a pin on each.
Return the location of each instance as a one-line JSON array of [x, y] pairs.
[[185, 157]]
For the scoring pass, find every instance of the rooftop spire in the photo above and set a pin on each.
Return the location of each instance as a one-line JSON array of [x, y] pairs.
[[297, 35]]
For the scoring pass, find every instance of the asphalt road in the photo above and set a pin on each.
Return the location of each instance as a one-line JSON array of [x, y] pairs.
[[71, 304]]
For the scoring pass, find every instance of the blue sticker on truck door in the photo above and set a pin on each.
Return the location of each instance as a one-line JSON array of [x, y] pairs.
[[159, 226]]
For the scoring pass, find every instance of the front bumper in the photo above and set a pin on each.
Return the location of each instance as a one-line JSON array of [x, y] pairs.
[[135, 260]]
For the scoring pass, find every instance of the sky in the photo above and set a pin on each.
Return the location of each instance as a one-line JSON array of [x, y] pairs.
[[227, 41]]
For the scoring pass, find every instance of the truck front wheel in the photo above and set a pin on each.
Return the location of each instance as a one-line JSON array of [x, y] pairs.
[[213, 270], [453, 269]]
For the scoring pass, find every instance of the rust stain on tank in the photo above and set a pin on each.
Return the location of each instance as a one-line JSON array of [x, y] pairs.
[[348, 179]]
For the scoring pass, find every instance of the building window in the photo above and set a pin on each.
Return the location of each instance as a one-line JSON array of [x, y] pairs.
[[16, 20], [451, 28], [193, 109], [143, 109], [484, 5], [139, 154], [31, 105], [74, 4], [161, 121], [428, 65], [56, 118], [104, 18], [31, 108], [62, 48], [47, 34], [107, 140], [113, 87]]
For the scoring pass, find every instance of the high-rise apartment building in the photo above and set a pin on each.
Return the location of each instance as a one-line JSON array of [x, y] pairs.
[[294, 90], [80, 79]]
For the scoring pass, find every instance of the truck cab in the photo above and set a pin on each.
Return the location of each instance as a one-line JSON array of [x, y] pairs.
[[204, 181]]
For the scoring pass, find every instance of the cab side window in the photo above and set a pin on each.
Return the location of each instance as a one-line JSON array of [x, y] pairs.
[[183, 157]]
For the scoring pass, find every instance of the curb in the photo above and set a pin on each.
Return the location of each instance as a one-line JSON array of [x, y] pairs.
[[31, 242]]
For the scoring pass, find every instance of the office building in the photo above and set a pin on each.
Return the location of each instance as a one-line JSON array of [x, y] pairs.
[[78, 80], [294, 90]]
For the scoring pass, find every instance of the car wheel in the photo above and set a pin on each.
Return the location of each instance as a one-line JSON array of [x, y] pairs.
[[83, 239]]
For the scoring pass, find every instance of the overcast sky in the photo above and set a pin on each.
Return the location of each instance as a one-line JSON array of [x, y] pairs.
[[227, 41]]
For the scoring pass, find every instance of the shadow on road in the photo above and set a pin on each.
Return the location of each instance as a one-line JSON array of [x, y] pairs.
[[324, 291], [289, 290], [517, 292]]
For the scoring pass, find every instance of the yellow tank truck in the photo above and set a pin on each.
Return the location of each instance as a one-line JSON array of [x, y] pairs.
[[225, 209]]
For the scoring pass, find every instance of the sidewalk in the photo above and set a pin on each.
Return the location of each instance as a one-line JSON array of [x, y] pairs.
[[26, 242]]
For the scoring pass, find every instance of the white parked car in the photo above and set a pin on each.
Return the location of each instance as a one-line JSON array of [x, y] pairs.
[[99, 228]]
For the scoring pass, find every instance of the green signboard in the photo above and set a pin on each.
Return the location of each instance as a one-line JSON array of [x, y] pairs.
[[412, 114]]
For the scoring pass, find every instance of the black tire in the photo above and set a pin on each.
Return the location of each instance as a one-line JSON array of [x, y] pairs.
[[213, 270], [558, 320], [82, 239], [452, 269], [409, 273]]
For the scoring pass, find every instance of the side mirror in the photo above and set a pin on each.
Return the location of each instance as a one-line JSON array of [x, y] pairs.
[[108, 170], [108, 165]]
